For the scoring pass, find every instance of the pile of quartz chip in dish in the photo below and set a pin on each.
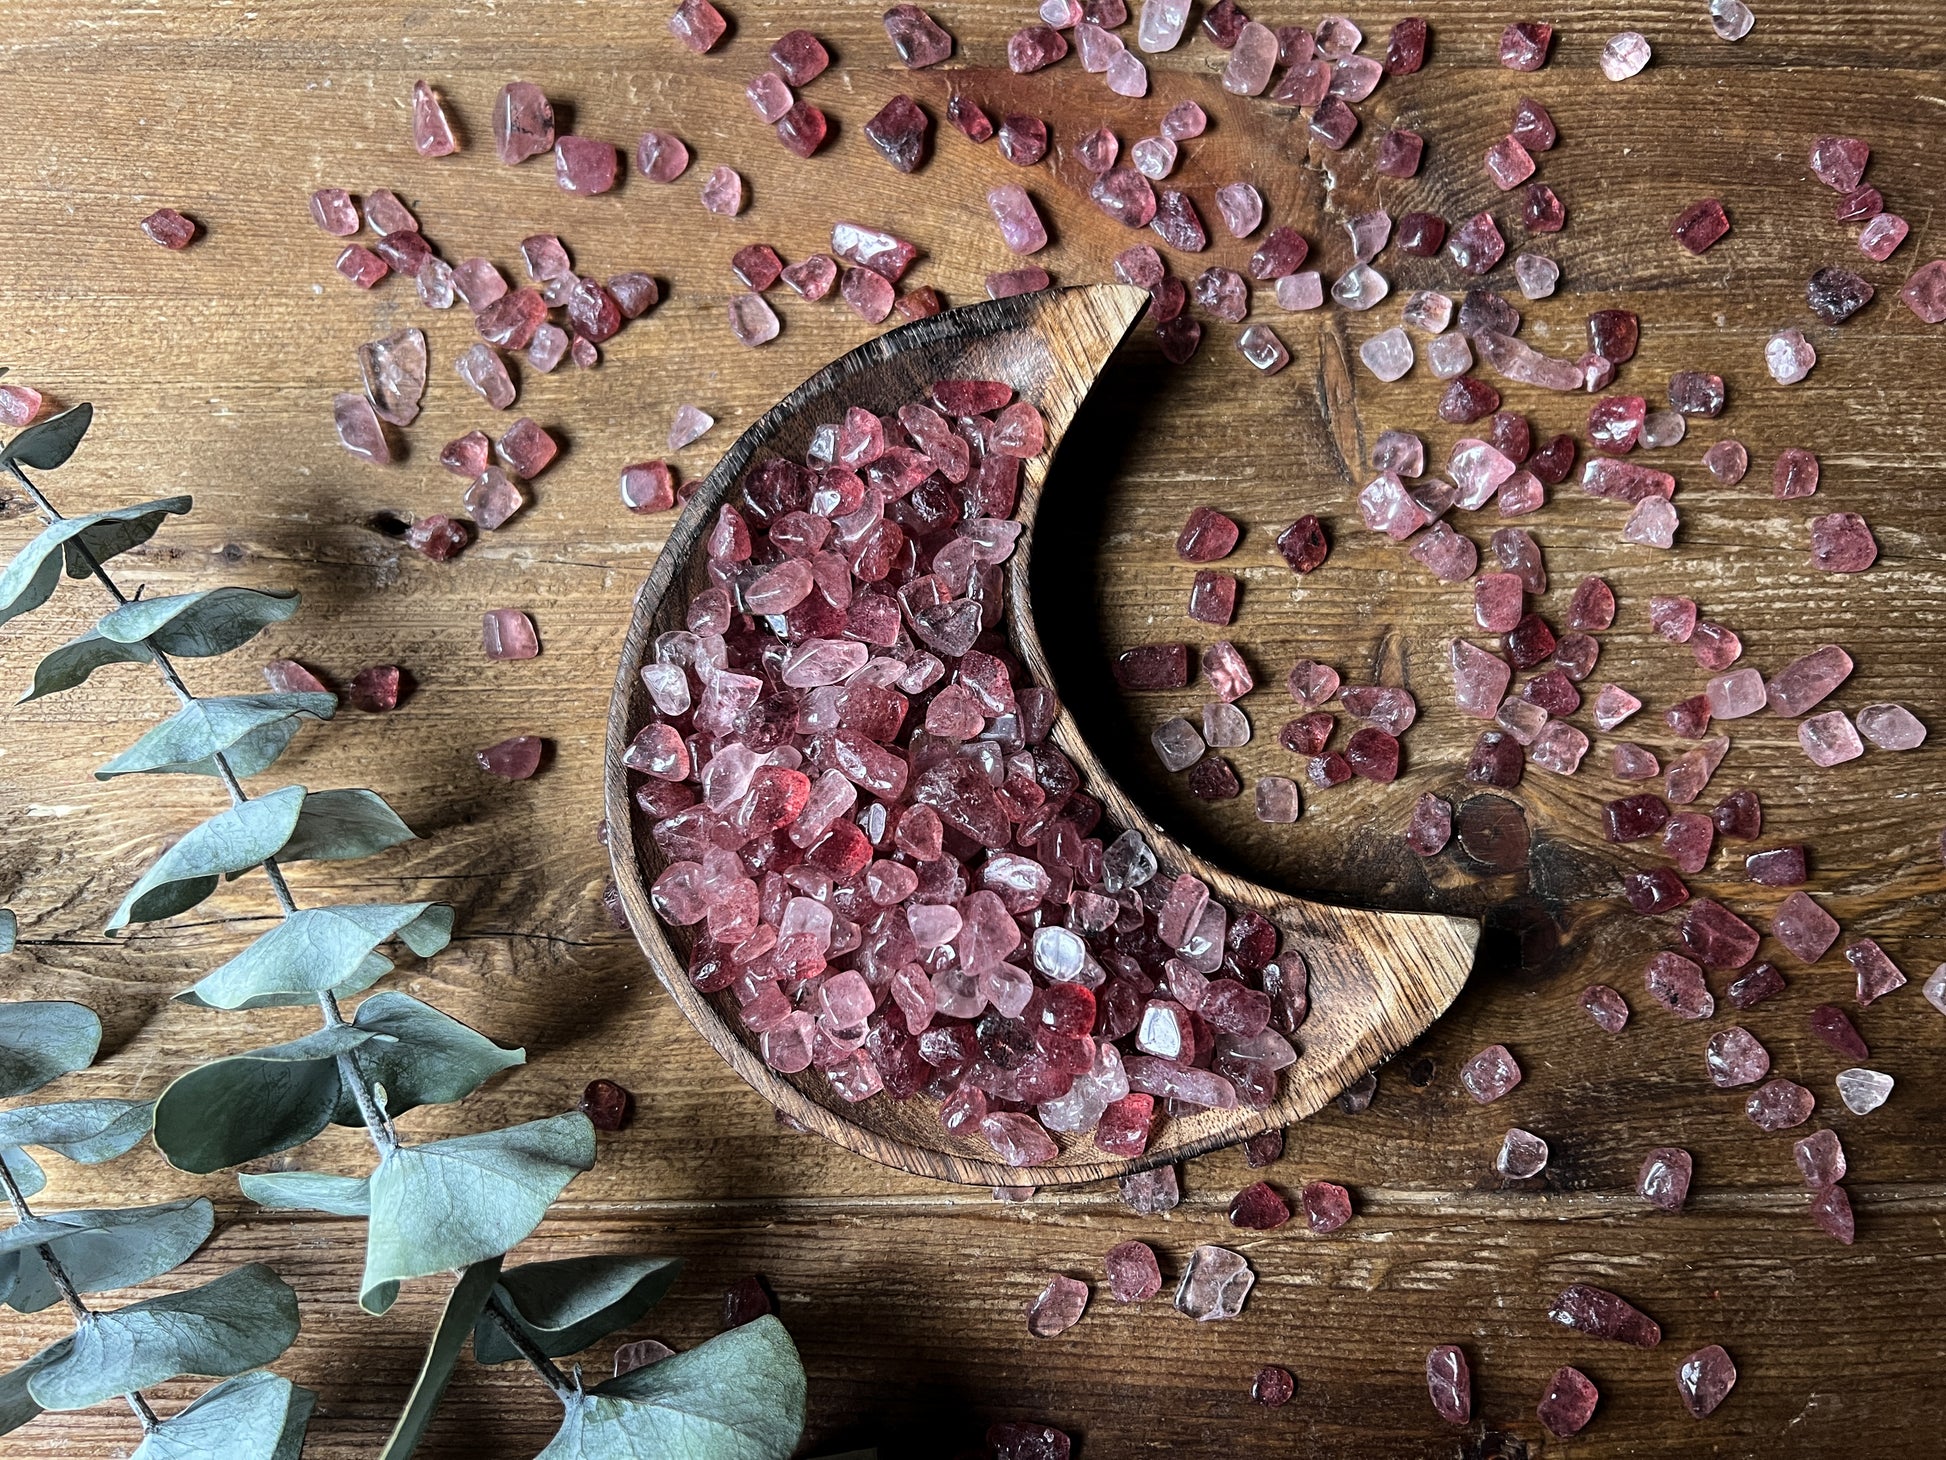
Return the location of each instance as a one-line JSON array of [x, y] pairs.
[[895, 876]]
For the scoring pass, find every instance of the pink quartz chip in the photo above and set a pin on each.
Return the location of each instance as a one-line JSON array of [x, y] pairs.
[[1480, 679], [333, 210], [1677, 984], [1841, 542], [585, 165], [1718, 936], [1327, 1206], [515, 759], [723, 192], [1830, 739], [916, 37], [1807, 680], [19, 404], [167, 227], [523, 122], [1706, 1377], [359, 429], [1059, 1305], [1569, 1401], [1736, 1057], [661, 156], [1449, 1382], [1839, 162], [1021, 229], [492, 499], [1804, 927], [1606, 1007], [1523, 45], [698, 24], [1133, 1273], [432, 131], [1663, 1181], [507, 633], [1779, 1105], [1925, 292], [1490, 1074], [1877, 974], [360, 265]]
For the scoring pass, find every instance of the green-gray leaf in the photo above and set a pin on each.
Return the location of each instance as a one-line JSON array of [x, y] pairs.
[[198, 625], [738, 1397], [309, 1191], [9, 930], [566, 1306], [17, 1406], [253, 1104], [47, 444], [25, 1171], [323, 950], [245, 1318], [338, 826], [102, 1250], [248, 731], [463, 1305], [88, 1131], [74, 661], [255, 1416], [457, 1202], [228, 843], [40, 1041], [30, 579], [434, 1060]]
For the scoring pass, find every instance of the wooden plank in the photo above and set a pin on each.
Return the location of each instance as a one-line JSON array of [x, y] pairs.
[[213, 372]]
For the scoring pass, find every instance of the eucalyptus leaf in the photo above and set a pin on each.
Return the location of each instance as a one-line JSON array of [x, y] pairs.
[[17, 1406], [339, 826], [308, 1191], [40, 1041], [47, 444], [565, 1306], [198, 625], [738, 1397], [323, 950], [228, 843], [432, 1058], [30, 579], [243, 1319], [457, 1202], [103, 1250], [88, 1131], [25, 1170], [9, 930], [255, 1416], [248, 731], [253, 1104], [74, 661], [463, 1305]]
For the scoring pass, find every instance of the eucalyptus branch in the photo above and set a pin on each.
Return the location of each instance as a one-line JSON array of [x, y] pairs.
[[376, 1125], [458, 1203], [64, 1285]]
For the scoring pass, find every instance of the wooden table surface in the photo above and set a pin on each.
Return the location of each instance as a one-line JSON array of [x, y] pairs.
[[212, 372]]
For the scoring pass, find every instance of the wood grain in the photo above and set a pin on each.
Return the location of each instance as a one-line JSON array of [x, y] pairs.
[[213, 371]]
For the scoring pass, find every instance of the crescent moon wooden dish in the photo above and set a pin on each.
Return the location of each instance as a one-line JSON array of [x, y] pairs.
[[1377, 979]]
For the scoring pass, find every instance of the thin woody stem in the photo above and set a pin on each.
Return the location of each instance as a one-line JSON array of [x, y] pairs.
[[564, 1388]]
